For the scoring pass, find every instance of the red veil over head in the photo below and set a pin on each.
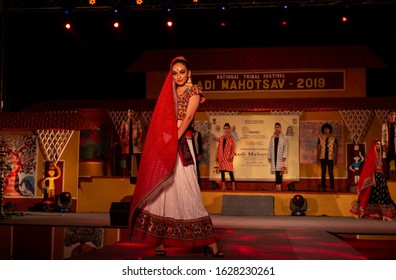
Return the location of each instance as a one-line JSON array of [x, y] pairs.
[[160, 149], [367, 176]]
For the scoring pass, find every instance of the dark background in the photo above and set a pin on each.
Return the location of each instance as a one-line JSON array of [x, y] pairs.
[[44, 61]]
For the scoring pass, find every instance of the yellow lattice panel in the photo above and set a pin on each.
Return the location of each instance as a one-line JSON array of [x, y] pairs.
[[147, 115], [382, 115], [53, 143], [358, 122], [117, 117]]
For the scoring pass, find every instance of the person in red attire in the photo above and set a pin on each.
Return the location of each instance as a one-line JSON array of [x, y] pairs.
[[225, 156], [374, 200], [167, 207]]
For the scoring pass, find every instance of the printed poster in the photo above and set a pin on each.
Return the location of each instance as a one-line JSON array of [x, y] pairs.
[[252, 134]]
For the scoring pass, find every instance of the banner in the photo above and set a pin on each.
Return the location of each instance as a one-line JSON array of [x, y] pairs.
[[271, 81], [252, 134]]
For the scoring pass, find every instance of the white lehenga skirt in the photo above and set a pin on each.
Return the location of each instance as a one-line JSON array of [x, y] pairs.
[[182, 199], [177, 215]]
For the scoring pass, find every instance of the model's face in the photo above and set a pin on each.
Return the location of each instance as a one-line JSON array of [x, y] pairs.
[[277, 129], [130, 114], [378, 145], [180, 74], [226, 130], [327, 130]]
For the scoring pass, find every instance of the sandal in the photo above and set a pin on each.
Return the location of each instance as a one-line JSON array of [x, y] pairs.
[[160, 253], [218, 254]]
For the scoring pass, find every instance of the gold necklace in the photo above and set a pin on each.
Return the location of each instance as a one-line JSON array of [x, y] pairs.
[[183, 91]]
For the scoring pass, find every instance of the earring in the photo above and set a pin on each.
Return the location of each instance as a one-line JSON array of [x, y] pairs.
[[189, 83]]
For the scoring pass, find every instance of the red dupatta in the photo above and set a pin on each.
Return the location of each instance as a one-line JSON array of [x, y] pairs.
[[366, 180], [160, 150]]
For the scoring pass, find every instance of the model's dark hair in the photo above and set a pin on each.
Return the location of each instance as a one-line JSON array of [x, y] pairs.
[[182, 61], [326, 125], [278, 124], [226, 124]]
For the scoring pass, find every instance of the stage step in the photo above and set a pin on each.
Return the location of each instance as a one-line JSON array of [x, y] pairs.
[[246, 205]]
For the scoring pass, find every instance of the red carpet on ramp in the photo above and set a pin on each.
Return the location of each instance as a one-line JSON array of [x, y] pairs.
[[240, 244], [372, 249]]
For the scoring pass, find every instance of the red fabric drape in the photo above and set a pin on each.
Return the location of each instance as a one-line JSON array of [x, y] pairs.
[[367, 176], [160, 150]]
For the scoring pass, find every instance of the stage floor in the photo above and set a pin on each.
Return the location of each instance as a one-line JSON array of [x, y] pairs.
[[240, 237], [322, 223]]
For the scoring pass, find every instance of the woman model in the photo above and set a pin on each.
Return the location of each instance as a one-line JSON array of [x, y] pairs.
[[277, 153], [374, 200], [225, 156], [167, 207]]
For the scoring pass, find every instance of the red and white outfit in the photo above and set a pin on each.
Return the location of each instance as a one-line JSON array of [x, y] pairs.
[[374, 200], [225, 153], [167, 206]]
